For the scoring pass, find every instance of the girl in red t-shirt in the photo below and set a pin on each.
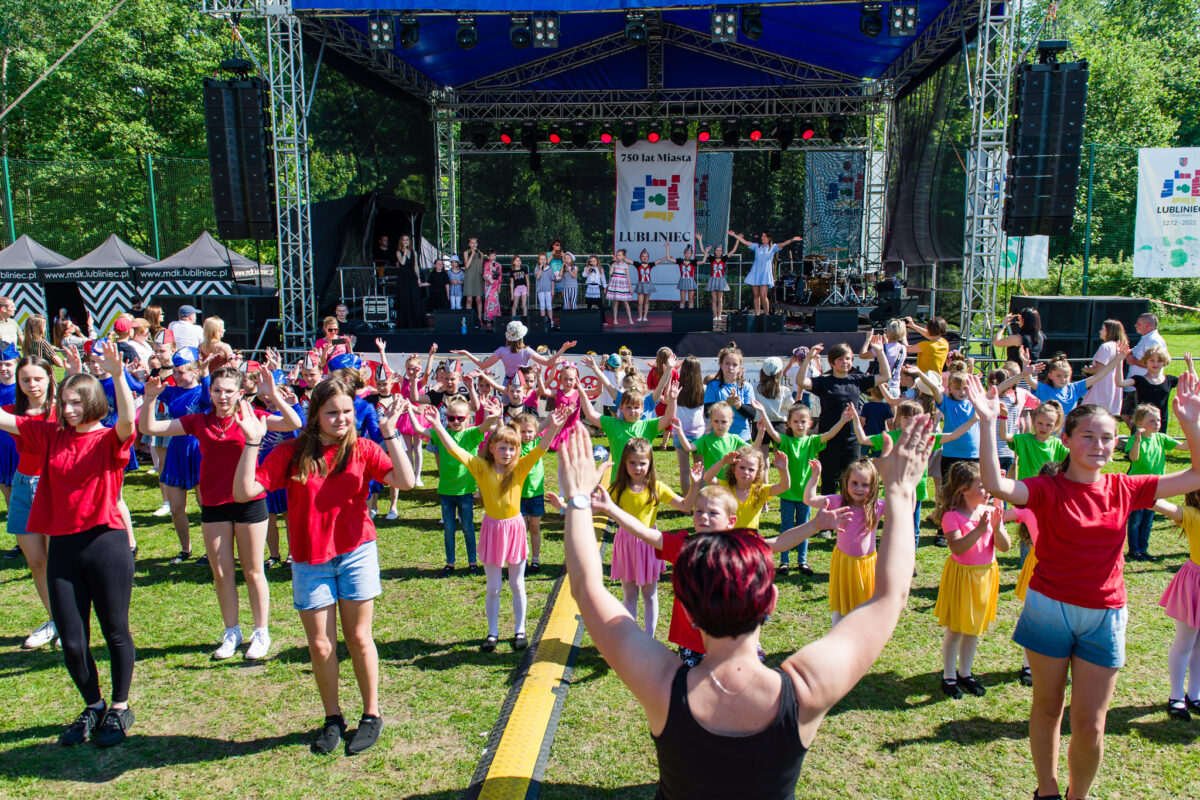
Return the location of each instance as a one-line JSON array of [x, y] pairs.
[[88, 561], [327, 471], [1074, 615], [223, 520]]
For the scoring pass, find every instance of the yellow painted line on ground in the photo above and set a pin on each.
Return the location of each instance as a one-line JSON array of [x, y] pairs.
[[517, 753]]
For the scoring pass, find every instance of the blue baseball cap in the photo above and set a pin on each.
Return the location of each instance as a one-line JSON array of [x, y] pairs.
[[344, 361], [98, 346], [9, 352], [184, 356]]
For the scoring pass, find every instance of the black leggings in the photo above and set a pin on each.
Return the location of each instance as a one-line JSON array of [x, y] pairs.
[[86, 569], [596, 302], [836, 456]]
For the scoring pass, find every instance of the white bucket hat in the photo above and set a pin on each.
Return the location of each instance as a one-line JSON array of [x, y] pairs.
[[771, 366], [515, 331]]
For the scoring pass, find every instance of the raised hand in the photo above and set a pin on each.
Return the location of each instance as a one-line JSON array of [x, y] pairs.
[[458, 352], [266, 383], [380, 344], [780, 460], [285, 394], [602, 501], [1187, 399], [74, 362], [152, 388], [814, 466], [986, 403], [997, 514], [388, 421], [833, 519], [433, 348], [849, 412], [1187, 357], [252, 427], [555, 502], [111, 360], [697, 472]]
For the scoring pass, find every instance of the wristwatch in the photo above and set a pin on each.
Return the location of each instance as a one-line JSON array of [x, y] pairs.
[[579, 501]]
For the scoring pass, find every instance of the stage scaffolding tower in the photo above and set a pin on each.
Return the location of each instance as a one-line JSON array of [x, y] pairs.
[[874, 224], [446, 181]]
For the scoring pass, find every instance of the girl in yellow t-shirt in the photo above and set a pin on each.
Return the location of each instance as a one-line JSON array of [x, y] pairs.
[[747, 477]]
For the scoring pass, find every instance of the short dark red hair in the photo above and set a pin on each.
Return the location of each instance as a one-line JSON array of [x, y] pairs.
[[725, 581]]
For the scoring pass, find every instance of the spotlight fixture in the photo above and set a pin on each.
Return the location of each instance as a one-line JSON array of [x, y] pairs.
[[606, 133], [555, 136], [635, 28], [380, 33], [837, 129], [785, 132], [679, 132], [730, 131], [579, 133], [629, 133], [529, 135], [724, 25], [480, 133], [545, 30], [519, 34], [807, 129], [467, 35], [506, 134], [703, 135], [755, 133], [752, 27], [871, 21], [410, 32], [653, 133], [903, 18]]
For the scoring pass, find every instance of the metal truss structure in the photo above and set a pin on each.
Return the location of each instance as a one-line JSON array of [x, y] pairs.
[[983, 240], [874, 224], [445, 184]]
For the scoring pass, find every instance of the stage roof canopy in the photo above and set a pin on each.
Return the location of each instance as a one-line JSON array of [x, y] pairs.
[[817, 48]]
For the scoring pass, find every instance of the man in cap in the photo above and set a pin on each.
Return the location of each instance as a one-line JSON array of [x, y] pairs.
[[187, 332]]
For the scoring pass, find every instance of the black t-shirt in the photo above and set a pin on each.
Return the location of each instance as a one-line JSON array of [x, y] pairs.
[[436, 397], [519, 276], [835, 394], [1156, 394], [1034, 344]]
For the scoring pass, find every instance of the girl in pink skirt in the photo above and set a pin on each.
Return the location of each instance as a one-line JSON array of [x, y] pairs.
[[1182, 602], [638, 491], [500, 474], [566, 396]]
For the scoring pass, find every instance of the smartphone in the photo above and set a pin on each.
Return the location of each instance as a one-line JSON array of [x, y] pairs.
[[340, 340]]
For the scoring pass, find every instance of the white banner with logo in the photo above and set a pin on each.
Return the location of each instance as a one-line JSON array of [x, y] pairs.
[[1166, 238], [656, 207], [1028, 257]]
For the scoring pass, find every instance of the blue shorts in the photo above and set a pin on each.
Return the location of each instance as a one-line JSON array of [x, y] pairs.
[[350, 576], [1060, 630], [21, 502], [533, 506]]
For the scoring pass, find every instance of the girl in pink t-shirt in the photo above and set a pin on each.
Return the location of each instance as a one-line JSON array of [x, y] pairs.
[[852, 566], [970, 586]]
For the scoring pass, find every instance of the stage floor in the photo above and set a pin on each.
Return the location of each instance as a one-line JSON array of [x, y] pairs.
[[642, 338]]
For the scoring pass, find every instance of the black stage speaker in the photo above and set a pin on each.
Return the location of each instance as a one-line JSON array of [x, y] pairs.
[[1060, 315], [581, 320], [1046, 138], [739, 323], [892, 308], [688, 320], [835, 320], [1125, 309], [535, 324], [770, 323], [240, 159], [1072, 346], [244, 315], [447, 320]]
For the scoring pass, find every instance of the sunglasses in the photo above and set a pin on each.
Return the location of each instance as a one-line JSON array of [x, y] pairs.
[[460, 418]]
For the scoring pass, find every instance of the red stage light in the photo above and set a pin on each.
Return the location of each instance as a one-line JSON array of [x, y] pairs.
[[653, 136], [506, 138], [755, 135], [606, 137], [807, 133], [703, 136], [555, 138]]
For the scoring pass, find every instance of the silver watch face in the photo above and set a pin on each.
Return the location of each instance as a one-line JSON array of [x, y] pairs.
[[579, 501]]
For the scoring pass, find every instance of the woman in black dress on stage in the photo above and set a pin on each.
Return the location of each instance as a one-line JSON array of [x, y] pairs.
[[410, 311]]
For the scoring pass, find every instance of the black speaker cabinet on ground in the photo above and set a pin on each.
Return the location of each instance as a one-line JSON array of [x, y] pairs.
[[535, 324], [689, 320], [240, 159], [895, 307], [582, 320], [1125, 309], [739, 323], [771, 323], [1072, 346], [1060, 315], [835, 320], [447, 320]]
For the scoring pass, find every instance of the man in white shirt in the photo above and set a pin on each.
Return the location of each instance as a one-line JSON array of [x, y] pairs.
[[1147, 326], [187, 332], [9, 330]]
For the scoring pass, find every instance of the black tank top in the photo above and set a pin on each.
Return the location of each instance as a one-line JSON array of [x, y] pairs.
[[1034, 344], [694, 763]]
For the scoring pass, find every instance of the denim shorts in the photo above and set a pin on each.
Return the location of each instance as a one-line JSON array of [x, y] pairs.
[[533, 506], [350, 576], [1061, 630], [21, 502]]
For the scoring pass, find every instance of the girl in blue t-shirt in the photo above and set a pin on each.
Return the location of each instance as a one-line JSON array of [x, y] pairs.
[[729, 384]]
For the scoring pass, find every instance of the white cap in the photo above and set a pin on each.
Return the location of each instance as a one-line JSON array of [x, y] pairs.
[[515, 331]]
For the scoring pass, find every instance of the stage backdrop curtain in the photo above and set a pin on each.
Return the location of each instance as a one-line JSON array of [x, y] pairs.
[[833, 204], [1166, 239], [714, 183]]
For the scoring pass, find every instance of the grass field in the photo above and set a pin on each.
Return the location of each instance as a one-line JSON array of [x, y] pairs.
[[209, 730]]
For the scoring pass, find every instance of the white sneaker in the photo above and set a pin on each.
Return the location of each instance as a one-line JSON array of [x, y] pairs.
[[152, 471], [230, 641], [420, 484], [260, 643], [393, 514], [372, 513], [41, 637], [163, 511]]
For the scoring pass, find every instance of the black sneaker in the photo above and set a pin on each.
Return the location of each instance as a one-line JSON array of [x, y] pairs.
[[333, 730], [783, 569], [473, 569], [489, 644], [1026, 676], [1193, 705], [183, 556], [446, 571], [202, 561], [534, 568], [520, 642], [273, 561], [805, 569], [940, 541], [1148, 558], [82, 728], [14, 553], [114, 727], [366, 735], [972, 685], [1177, 709], [1037, 796], [950, 689]]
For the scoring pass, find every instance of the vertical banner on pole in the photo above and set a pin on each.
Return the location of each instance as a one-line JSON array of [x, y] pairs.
[[1166, 238], [655, 206], [1028, 257], [714, 184], [833, 203]]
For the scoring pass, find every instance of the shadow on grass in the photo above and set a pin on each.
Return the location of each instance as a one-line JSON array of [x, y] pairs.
[[519, 787], [19, 662], [47, 759], [886, 691]]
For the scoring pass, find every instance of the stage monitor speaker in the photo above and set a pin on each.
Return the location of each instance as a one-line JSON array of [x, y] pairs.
[[581, 320], [689, 320], [739, 323], [1125, 309], [1046, 138], [1075, 347], [770, 323], [835, 320], [535, 324], [240, 158], [447, 320], [895, 307], [1060, 315]]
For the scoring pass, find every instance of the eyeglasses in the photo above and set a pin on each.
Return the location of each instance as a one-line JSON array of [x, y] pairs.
[[461, 418]]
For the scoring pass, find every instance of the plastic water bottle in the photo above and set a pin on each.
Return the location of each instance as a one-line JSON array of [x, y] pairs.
[[464, 325]]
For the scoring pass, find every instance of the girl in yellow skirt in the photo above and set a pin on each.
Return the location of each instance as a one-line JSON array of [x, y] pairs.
[[966, 602], [746, 476], [852, 566]]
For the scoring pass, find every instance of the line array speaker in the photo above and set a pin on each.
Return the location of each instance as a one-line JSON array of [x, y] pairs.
[[240, 158]]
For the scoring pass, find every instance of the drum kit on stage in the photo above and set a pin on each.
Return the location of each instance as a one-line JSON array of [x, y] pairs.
[[827, 281]]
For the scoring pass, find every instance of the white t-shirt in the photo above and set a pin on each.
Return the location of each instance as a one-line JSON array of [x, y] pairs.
[[9, 331], [144, 350], [187, 334], [1139, 351]]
